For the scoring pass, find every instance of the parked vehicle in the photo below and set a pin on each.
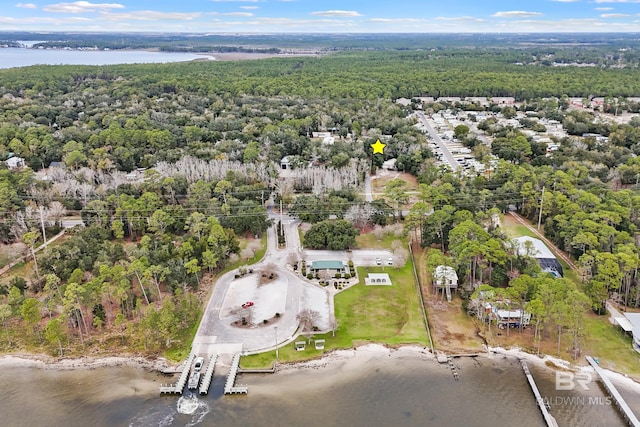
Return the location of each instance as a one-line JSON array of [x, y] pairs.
[[197, 366]]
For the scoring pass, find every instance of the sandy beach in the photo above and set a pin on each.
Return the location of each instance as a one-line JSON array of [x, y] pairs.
[[47, 362]]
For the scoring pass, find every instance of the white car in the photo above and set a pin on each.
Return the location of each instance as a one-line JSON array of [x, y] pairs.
[[378, 261], [197, 366], [390, 261]]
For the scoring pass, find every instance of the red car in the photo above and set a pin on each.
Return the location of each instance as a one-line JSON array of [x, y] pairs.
[[247, 304]]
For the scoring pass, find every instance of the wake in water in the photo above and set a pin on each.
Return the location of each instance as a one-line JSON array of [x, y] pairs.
[[190, 406]]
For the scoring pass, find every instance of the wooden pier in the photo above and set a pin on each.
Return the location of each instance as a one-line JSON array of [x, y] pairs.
[[178, 387], [229, 387], [613, 392], [208, 375], [548, 418]]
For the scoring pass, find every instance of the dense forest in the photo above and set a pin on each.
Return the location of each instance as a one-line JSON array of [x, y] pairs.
[[172, 167]]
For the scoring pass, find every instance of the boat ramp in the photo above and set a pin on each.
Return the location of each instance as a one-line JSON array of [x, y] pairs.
[[208, 374], [230, 387], [178, 387]]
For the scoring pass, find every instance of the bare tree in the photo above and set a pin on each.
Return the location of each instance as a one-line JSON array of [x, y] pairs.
[[378, 232], [308, 319], [395, 245], [292, 259], [359, 215], [400, 257]]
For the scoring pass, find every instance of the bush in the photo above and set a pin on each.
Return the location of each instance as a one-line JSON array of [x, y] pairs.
[[338, 276], [277, 315], [347, 276], [317, 275], [310, 276]]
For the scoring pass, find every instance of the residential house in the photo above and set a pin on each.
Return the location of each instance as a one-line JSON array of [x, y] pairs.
[[15, 163]]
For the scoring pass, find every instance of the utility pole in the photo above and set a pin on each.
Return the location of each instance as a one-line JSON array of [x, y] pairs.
[[541, 201], [44, 234], [276, 329], [281, 223]]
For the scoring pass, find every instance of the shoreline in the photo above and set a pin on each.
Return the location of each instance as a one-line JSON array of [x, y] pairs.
[[361, 354], [41, 361]]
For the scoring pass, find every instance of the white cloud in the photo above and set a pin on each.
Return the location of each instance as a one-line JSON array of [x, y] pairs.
[[395, 20], [238, 14], [235, 1], [516, 14], [27, 5], [617, 1], [81, 7], [249, 7], [150, 15], [459, 18], [337, 13], [614, 15], [603, 9], [566, 1]]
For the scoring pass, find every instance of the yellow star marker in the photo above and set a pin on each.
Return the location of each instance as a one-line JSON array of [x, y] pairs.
[[378, 147]]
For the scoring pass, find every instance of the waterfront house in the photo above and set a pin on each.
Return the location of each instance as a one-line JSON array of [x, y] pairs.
[[445, 278]]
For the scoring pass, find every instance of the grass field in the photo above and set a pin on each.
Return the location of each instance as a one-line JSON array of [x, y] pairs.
[[369, 241], [388, 315]]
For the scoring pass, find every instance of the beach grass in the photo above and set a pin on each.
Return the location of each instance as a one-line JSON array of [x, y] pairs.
[[389, 315]]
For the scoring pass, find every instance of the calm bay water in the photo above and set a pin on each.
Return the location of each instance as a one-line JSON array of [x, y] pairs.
[[20, 57], [382, 391]]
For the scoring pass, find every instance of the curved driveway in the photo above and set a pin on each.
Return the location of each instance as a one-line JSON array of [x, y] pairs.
[[216, 334]]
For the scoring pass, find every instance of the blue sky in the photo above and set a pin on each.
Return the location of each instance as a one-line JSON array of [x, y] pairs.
[[325, 16]]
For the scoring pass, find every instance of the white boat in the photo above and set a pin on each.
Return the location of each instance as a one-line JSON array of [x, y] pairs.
[[194, 380]]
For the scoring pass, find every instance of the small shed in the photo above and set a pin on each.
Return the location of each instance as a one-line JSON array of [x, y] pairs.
[[389, 164], [377, 279], [285, 163]]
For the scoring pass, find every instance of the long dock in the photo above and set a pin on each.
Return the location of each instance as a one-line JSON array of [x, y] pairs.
[[178, 387], [229, 386], [613, 392], [548, 418], [208, 375]]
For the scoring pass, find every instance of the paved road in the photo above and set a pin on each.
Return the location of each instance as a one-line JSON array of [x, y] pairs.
[[368, 193], [434, 135]]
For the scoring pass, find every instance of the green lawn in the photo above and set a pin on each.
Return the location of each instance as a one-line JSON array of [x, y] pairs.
[[610, 345], [383, 314], [369, 241]]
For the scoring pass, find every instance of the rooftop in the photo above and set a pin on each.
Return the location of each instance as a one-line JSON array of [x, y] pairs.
[[327, 265], [540, 250]]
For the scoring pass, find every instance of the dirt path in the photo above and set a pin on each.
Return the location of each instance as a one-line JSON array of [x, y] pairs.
[[25, 257], [555, 249]]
